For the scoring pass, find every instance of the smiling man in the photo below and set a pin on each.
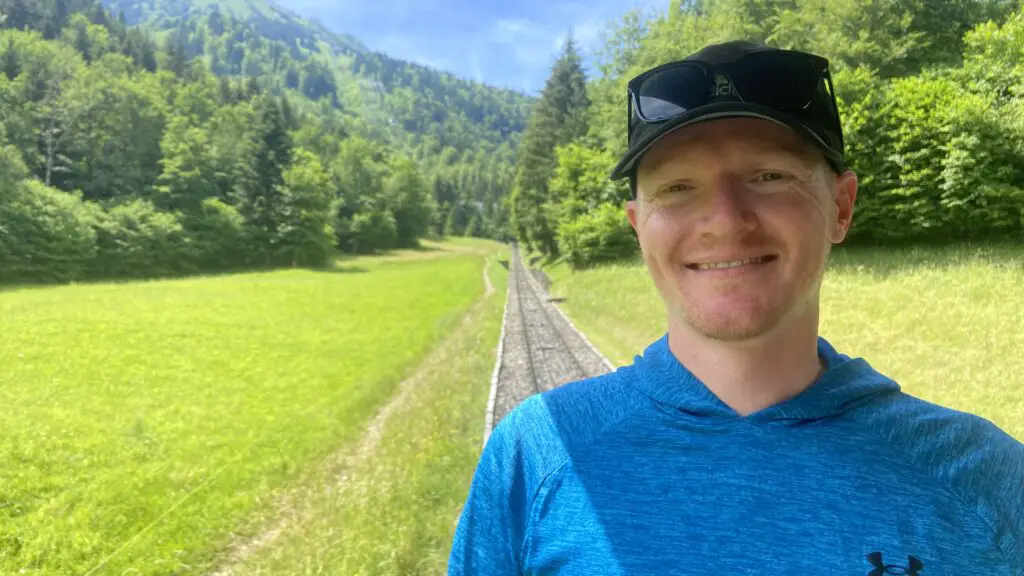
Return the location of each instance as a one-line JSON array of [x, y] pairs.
[[741, 442]]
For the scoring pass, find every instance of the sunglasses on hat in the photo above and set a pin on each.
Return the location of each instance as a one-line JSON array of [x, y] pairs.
[[788, 87]]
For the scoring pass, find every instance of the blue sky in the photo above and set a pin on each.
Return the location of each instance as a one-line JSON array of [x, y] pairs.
[[509, 43]]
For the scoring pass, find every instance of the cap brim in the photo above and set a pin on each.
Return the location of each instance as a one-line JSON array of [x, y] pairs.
[[703, 114]]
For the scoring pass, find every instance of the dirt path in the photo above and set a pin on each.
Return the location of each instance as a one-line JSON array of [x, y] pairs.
[[488, 286], [290, 508]]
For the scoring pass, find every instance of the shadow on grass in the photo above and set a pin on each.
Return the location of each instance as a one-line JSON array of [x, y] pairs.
[[340, 270], [428, 248], [886, 261], [115, 280], [334, 268]]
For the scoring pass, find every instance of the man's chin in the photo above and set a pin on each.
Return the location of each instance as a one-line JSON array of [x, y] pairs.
[[734, 326], [734, 333]]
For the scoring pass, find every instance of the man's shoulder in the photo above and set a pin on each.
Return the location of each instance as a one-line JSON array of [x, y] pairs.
[[961, 452], [547, 427], [944, 436]]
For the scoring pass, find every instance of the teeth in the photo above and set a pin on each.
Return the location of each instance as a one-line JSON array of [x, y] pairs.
[[733, 264]]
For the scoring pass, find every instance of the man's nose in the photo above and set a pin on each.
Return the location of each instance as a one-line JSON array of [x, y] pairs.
[[727, 209]]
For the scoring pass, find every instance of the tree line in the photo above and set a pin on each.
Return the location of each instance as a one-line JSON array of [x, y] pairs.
[[120, 157], [463, 134], [931, 94]]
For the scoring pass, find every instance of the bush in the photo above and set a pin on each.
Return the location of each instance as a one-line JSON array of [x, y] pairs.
[[935, 161], [373, 231], [217, 236], [135, 240], [45, 234], [603, 235]]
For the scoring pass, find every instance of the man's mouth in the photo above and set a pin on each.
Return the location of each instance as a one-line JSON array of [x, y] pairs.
[[727, 264]]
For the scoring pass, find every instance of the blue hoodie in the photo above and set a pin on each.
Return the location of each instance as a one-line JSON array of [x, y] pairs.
[[644, 471]]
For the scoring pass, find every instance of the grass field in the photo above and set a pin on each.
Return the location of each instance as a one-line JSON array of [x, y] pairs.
[[391, 507], [946, 323], [147, 426]]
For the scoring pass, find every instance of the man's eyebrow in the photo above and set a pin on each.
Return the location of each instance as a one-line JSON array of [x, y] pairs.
[[804, 152], [654, 163]]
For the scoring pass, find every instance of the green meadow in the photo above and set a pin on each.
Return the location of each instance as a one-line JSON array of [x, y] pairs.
[[154, 427], [391, 507], [328, 422], [946, 323]]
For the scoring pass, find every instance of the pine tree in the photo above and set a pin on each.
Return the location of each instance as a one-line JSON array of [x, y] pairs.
[[263, 193], [568, 95], [9, 63], [177, 61], [558, 118]]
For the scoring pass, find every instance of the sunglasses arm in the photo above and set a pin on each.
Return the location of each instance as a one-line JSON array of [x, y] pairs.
[[835, 104]]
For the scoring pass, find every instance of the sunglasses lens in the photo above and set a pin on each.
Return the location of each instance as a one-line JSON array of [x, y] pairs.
[[671, 92], [785, 82]]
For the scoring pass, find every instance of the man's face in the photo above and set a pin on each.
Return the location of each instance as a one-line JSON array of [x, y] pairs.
[[723, 192]]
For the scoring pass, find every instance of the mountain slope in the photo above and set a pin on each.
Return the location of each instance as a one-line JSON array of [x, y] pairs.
[[270, 20], [401, 102]]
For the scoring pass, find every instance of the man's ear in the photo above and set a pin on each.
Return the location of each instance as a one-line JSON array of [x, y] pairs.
[[845, 199], [631, 213]]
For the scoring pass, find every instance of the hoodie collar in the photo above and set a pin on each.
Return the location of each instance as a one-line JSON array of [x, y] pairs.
[[846, 383]]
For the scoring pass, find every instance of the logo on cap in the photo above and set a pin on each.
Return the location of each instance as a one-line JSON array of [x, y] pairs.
[[722, 87]]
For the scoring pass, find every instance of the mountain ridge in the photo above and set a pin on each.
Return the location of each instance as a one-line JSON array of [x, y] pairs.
[[164, 14], [167, 14]]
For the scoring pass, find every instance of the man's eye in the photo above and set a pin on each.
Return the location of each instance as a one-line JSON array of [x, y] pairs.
[[676, 188], [770, 176]]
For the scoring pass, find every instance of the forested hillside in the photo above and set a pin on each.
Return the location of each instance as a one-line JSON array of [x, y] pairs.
[[212, 145], [931, 92], [408, 102], [267, 19]]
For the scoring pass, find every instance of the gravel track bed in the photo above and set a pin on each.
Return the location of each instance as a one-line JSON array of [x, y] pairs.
[[540, 349]]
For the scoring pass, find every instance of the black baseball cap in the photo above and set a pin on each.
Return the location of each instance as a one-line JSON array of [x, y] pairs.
[[791, 88]]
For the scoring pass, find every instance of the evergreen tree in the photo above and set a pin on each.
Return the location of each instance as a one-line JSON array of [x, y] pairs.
[[264, 192], [568, 95], [558, 118], [475, 228], [305, 235], [176, 60]]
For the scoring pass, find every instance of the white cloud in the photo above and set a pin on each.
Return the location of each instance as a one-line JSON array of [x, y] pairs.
[[528, 40], [588, 33], [513, 46], [513, 30], [407, 48], [390, 9], [506, 29]]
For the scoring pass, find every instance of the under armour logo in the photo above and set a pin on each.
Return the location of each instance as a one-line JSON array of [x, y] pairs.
[[722, 87], [913, 567]]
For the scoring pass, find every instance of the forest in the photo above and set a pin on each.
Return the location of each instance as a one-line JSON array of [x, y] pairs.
[[197, 139], [169, 137], [931, 94]]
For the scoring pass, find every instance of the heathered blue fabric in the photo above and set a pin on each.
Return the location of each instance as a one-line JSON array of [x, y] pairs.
[[644, 471]]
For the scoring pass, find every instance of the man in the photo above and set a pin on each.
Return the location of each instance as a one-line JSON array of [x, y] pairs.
[[741, 442]]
